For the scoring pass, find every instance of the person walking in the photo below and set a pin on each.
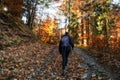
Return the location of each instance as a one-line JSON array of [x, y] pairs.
[[66, 44]]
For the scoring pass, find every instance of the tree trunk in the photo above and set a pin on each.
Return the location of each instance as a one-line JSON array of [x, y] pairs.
[[31, 14], [105, 34], [82, 33]]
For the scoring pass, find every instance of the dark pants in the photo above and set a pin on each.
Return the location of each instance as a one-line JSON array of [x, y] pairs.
[[65, 53]]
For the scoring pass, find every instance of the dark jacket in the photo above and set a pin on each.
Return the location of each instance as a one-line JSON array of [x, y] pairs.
[[70, 42]]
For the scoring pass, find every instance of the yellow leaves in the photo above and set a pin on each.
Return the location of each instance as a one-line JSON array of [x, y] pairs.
[[46, 30], [74, 11], [62, 7], [71, 6], [53, 68]]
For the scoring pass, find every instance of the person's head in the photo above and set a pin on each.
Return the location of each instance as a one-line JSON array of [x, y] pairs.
[[66, 33]]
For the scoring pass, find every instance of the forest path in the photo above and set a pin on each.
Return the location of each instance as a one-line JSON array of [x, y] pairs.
[[93, 67], [80, 67], [37, 61]]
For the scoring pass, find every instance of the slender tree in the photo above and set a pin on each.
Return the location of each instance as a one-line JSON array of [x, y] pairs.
[[29, 9]]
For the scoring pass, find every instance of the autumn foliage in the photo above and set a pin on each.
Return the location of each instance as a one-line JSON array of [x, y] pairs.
[[47, 31]]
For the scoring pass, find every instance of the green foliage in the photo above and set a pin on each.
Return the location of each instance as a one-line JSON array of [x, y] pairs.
[[46, 5], [2, 60], [41, 1], [18, 40], [10, 41], [72, 52], [102, 18], [73, 25], [3, 35]]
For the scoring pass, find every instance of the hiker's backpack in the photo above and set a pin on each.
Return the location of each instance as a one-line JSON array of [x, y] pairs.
[[65, 41]]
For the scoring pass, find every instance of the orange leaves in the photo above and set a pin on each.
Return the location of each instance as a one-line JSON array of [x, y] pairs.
[[46, 30], [22, 60], [53, 68], [48, 26], [62, 7], [72, 7]]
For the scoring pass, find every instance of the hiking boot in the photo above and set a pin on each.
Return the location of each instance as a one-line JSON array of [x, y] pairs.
[[63, 72], [65, 68]]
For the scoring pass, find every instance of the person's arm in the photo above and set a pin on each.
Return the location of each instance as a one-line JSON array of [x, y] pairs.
[[71, 42], [60, 46]]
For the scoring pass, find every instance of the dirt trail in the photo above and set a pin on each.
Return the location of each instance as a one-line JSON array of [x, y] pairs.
[[43, 62], [80, 67], [94, 68]]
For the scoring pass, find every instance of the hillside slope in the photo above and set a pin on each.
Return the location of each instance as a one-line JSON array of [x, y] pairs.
[[12, 31]]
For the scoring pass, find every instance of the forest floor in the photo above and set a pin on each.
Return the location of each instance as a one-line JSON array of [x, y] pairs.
[[38, 61]]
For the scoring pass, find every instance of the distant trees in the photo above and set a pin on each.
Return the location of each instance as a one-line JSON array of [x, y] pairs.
[[29, 11], [90, 18], [24, 8], [71, 9], [47, 31], [87, 18], [101, 20]]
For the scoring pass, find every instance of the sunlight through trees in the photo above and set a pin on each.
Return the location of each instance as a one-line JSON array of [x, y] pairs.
[[87, 20]]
